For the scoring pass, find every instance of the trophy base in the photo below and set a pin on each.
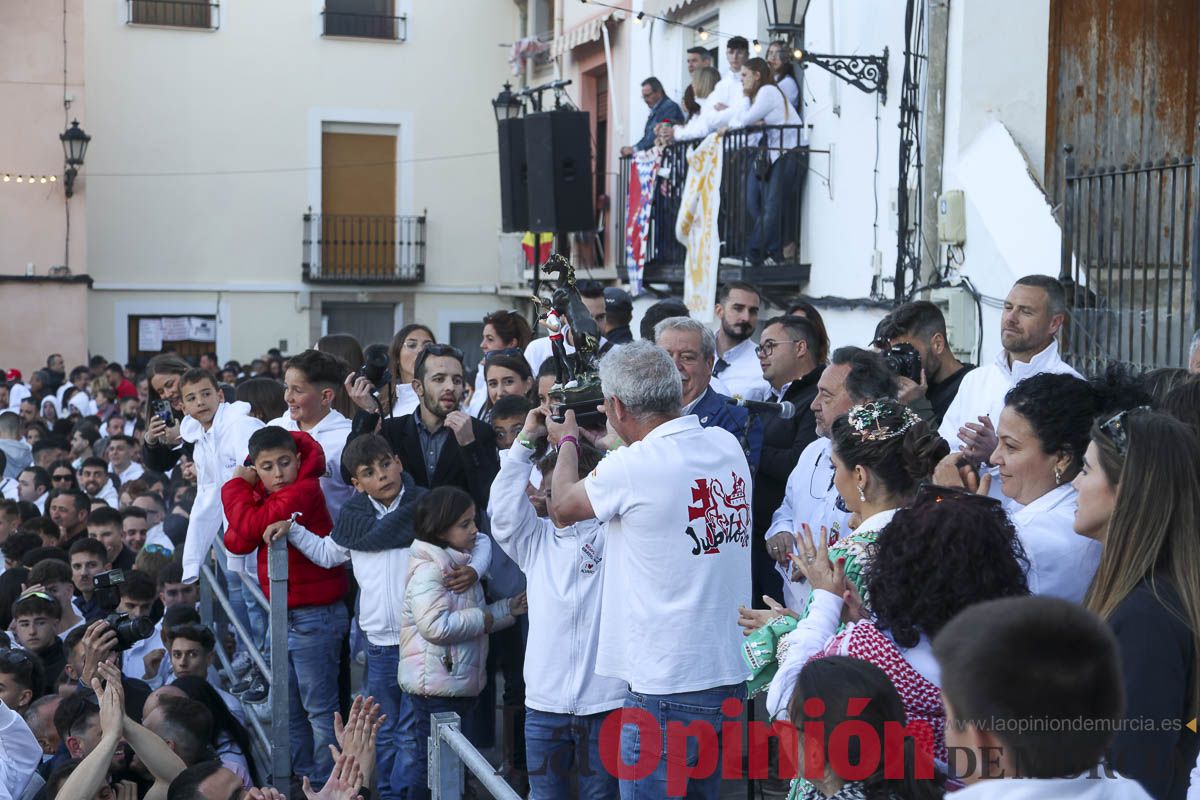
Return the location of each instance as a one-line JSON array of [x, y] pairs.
[[582, 399]]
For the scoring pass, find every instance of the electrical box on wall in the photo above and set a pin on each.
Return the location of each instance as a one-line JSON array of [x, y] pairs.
[[952, 218], [962, 321]]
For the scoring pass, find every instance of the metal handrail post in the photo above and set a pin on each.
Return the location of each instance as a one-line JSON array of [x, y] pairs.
[[449, 752], [445, 767], [281, 755], [206, 604]]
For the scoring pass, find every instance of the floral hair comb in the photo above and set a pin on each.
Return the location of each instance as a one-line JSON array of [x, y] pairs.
[[867, 421]]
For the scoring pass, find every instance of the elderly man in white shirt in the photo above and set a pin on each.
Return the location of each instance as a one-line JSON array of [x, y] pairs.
[[1034, 312], [737, 365], [678, 557]]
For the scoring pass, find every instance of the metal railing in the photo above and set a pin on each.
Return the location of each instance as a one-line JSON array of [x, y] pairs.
[[272, 747], [174, 13], [449, 752], [365, 26], [1131, 262], [364, 248], [740, 208]]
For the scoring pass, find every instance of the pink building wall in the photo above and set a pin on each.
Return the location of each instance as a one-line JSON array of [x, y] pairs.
[[33, 228]]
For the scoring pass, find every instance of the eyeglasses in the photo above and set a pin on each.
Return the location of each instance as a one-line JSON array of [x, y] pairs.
[[64, 476], [435, 349], [768, 347], [1114, 428]]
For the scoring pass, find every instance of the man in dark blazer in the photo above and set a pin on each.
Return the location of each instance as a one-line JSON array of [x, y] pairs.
[[439, 444], [787, 354]]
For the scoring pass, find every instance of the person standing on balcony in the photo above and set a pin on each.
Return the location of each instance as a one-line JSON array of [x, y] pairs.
[[662, 109], [703, 122], [1194, 355], [1034, 312], [728, 98], [770, 179], [737, 366], [697, 59]]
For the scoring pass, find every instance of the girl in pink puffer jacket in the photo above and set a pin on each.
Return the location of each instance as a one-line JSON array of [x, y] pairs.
[[444, 633]]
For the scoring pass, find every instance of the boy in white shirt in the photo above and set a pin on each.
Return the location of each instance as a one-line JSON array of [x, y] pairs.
[[1032, 688], [311, 381]]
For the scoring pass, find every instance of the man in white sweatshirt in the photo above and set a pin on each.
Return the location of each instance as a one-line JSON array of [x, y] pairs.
[[566, 700]]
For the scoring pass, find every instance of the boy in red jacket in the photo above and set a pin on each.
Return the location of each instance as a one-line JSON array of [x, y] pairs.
[[285, 481]]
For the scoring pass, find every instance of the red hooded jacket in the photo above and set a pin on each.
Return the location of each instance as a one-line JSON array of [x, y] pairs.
[[250, 510]]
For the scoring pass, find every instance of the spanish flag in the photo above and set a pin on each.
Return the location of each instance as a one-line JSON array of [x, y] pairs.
[[537, 247]]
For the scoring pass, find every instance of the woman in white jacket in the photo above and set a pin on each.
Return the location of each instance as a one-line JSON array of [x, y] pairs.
[[443, 634], [700, 125], [566, 701]]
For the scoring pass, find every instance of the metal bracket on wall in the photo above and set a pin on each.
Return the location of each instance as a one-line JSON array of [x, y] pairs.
[[868, 73]]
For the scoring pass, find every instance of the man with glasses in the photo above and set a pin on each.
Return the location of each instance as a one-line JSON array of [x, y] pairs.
[[439, 443], [787, 354]]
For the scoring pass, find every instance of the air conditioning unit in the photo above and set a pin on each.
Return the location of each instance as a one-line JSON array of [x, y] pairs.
[[511, 260], [962, 319]]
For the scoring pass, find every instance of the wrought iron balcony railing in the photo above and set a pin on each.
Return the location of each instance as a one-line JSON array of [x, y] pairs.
[[359, 248], [759, 243], [365, 26], [174, 13]]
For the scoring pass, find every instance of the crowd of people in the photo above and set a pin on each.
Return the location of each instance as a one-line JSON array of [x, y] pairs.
[[1002, 561], [753, 93]]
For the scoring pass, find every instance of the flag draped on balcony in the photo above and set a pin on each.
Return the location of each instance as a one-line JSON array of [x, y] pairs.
[[637, 223], [696, 227]]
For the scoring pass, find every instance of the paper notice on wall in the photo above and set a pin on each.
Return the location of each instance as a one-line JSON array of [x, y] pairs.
[[150, 336], [201, 329], [174, 329]]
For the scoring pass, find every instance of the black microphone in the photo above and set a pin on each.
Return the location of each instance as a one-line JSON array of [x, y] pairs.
[[785, 410]]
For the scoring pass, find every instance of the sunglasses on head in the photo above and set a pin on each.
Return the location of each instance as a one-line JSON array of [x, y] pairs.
[[1114, 428], [157, 548], [949, 494], [42, 595], [14, 657], [434, 349], [511, 352]]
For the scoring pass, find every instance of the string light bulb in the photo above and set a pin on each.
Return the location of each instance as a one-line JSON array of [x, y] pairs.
[[7, 177], [43, 179], [798, 54], [53, 178], [20, 179], [638, 19], [703, 34], [757, 46]]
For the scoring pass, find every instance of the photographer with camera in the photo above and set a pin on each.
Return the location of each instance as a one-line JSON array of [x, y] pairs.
[[913, 337]]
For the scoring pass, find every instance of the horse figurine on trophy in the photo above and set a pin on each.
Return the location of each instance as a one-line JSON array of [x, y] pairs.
[[577, 380]]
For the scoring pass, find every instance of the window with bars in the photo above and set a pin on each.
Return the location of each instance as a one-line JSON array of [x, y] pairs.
[[175, 13], [365, 19]]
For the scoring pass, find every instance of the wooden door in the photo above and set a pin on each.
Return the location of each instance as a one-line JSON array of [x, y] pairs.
[[358, 205], [1123, 82]]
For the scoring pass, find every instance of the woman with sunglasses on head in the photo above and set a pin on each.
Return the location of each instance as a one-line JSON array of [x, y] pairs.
[[1042, 433], [1139, 497], [923, 571], [399, 397], [503, 330]]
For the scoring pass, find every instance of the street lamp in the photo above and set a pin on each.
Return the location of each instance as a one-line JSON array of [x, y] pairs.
[[507, 105], [868, 73], [75, 143]]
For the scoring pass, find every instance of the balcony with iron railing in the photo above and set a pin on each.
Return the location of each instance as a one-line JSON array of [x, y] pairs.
[[174, 13], [740, 210], [358, 25], [362, 248]]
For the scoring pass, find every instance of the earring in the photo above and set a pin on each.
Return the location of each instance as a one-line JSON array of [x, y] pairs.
[[1057, 476], [862, 496]]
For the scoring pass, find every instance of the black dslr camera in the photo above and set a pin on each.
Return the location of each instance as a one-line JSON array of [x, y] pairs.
[[129, 631], [106, 588], [375, 367], [903, 360]]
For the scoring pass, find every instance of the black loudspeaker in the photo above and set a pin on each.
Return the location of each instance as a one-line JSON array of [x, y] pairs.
[[559, 153], [514, 177]]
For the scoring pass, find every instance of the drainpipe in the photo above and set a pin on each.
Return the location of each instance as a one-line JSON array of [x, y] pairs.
[[935, 136]]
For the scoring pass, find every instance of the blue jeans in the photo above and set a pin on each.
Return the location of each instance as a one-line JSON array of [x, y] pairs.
[[390, 766], [417, 780], [765, 204], [557, 743], [314, 644], [243, 606], [685, 708]]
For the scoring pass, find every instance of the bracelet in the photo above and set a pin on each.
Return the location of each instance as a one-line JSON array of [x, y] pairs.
[[570, 439], [525, 441]]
